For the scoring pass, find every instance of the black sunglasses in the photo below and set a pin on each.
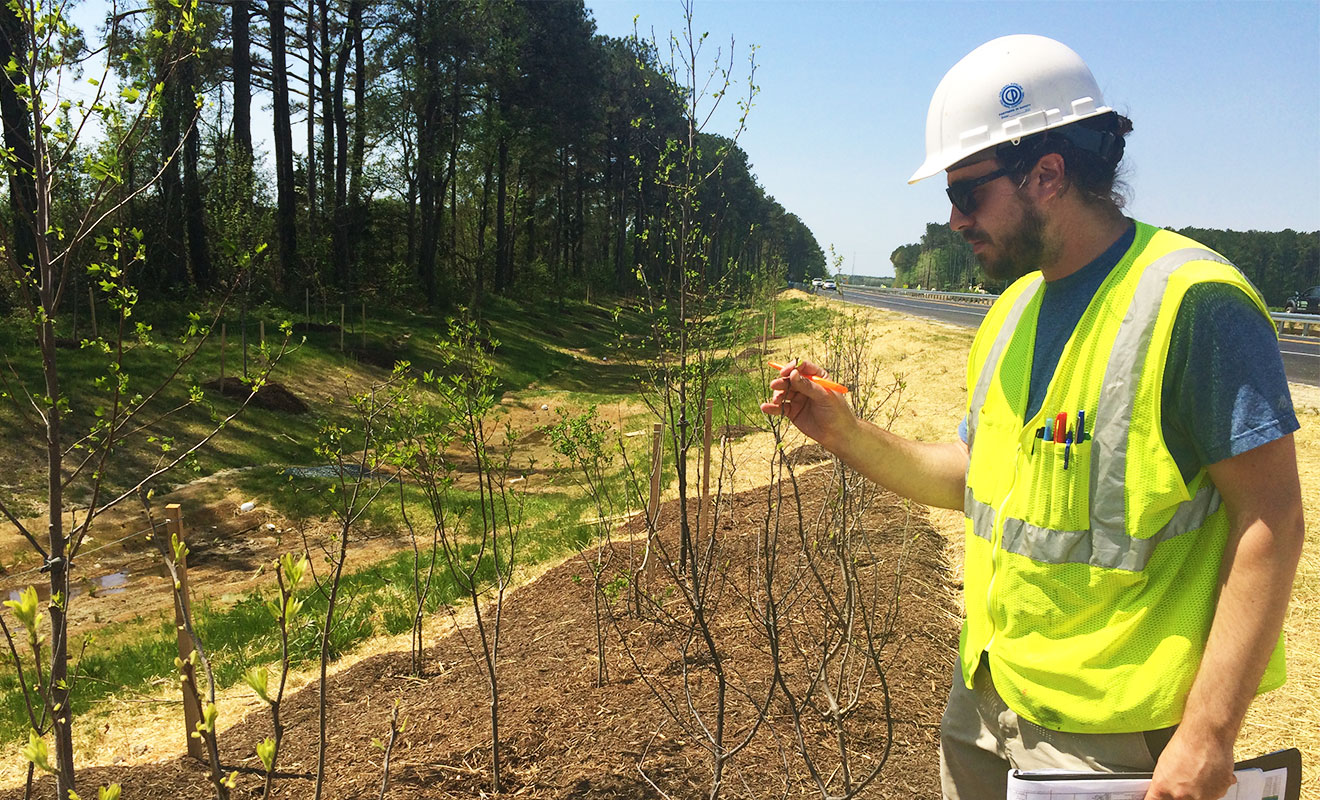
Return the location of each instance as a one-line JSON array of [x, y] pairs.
[[963, 193]]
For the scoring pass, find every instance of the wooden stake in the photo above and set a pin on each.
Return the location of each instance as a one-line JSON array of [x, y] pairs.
[[652, 558], [657, 452], [91, 298], [192, 712], [364, 325], [307, 304], [222, 358], [703, 509], [341, 327], [765, 322], [773, 313]]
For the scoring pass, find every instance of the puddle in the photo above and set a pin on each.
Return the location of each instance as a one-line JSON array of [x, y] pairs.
[[328, 471], [113, 583], [101, 586]]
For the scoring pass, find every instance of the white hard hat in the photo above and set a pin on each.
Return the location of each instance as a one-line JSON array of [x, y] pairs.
[[1006, 89]]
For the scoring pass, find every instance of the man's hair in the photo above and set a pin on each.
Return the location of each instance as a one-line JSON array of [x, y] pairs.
[[1091, 149]]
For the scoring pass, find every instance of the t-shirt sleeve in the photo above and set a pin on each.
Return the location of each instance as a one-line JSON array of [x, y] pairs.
[[1225, 390]]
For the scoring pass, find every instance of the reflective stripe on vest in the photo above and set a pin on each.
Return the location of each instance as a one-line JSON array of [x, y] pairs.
[[1106, 543], [1098, 548], [996, 351]]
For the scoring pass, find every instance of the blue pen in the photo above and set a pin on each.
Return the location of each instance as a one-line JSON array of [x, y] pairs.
[[1081, 426], [1067, 445]]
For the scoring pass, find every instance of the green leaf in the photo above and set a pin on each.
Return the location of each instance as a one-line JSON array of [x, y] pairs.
[[130, 94], [257, 679], [266, 752], [25, 608], [37, 754]]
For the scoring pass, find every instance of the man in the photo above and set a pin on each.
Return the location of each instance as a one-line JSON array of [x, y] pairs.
[[1126, 465]]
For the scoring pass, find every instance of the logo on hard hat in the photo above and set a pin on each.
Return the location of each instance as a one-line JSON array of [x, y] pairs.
[[1011, 95]]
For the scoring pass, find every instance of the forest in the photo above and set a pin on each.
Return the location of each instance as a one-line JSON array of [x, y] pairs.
[[1279, 263], [446, 151]]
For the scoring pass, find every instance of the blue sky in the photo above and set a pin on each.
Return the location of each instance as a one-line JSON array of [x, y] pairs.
[[1224, 98]]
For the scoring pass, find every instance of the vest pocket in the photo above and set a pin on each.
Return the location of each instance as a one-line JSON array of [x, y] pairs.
[[1059, 490]]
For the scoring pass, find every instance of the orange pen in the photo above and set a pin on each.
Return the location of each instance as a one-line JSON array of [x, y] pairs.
[[823, 383]]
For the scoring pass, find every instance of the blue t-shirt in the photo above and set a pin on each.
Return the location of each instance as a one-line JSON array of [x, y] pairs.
[[1225, 391]]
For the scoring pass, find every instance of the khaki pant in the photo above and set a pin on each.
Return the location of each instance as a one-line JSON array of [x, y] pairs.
[[981, 739]]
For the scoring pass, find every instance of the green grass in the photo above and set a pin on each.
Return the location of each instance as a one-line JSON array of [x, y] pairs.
[[374, 600]]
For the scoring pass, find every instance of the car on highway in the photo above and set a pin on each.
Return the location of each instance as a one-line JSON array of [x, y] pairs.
[[816, 282], [1307, 302], [828, 286]]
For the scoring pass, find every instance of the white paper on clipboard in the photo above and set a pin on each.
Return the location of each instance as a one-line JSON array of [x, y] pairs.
[[1252, 784]]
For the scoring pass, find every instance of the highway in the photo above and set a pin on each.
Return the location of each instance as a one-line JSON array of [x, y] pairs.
[[1301, 355]]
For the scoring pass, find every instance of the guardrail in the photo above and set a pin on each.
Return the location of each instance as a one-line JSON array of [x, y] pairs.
[[1305, 324]]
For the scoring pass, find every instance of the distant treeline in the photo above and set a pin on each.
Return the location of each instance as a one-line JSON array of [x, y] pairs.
[[1277, 262], [452, 150]]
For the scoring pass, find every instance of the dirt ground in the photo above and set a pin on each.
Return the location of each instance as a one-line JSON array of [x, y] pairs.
[[565, 738]]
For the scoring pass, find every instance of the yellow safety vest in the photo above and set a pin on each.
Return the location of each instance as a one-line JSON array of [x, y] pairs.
[[1091, 588]]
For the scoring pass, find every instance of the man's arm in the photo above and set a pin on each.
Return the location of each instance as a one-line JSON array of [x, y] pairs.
[[930, 473], [1263, 496]]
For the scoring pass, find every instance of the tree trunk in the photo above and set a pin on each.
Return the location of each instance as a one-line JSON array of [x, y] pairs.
[[579, 229], [357, 213], [620, 234], [503, 256], [173, 234], [59, 565], [312, 194], [285, 205], [194, 210], [339, 216], [18, 138], [483, 220], [428, 144], [240, 23], [451, 177], [359, 101], [327, 101]]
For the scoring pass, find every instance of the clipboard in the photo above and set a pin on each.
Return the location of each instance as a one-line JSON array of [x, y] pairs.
[[1289, 761]]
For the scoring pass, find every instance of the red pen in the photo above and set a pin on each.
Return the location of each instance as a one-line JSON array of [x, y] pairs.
[[1060, 427]]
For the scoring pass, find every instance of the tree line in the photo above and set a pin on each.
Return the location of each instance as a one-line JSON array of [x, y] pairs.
[[1279, 263], [448, 151]]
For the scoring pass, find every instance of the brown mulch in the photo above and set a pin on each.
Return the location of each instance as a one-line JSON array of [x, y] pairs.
[[564, 738], [738, 431], [379, 354], [315, 327], [807, 454], [272, 396]]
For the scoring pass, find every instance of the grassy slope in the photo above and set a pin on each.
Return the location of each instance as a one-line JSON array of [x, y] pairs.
[[571, 357]]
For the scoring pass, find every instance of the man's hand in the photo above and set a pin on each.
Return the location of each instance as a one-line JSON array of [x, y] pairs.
[[823, 415], [930, 473], [1192, 769]]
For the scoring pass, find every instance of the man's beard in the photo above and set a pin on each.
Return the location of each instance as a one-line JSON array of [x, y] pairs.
[[1019, 251]]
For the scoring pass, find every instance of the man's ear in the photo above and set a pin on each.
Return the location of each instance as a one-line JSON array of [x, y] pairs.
[[1048, 179]]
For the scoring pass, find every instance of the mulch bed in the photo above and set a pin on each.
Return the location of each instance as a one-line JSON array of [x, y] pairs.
[[272, 396], [564, 738]]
